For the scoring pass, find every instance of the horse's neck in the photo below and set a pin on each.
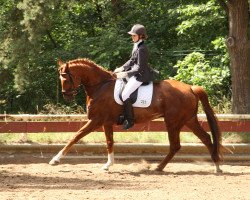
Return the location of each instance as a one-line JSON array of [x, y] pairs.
[[94, 85], [97, 75], [93, 77]]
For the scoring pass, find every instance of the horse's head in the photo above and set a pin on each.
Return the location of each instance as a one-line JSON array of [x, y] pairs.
[[82, 72], [69, 81]]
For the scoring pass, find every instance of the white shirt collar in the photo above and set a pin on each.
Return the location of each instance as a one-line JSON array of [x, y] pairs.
[[138, 42], [136, 45]]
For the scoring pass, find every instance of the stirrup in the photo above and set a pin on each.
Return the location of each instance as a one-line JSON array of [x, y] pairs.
[[120, 120], [127, 124]]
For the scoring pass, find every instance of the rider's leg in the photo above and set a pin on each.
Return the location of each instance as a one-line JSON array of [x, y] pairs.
[[128, 114], [130, 87]]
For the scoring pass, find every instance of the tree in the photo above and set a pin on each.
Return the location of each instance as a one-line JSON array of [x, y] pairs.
[[238, 45], [34, 34], [195, 69], [202, 54]]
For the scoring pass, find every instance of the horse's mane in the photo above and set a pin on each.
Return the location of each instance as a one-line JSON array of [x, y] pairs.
[[87, 62]]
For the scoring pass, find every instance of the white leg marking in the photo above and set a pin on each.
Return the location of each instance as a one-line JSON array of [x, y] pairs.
[[110, 162], [56, 159]]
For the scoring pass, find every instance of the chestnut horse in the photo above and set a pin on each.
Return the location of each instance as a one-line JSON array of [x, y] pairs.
[[175, 101]]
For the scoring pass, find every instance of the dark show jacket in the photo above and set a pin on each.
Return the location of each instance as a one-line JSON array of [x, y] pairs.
[[138, 66]]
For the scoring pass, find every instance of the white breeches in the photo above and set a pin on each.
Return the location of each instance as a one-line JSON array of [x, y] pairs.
[[130, 87]]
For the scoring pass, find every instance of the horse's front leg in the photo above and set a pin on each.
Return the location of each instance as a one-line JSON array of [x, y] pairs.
[[90, 126], [108, 129]]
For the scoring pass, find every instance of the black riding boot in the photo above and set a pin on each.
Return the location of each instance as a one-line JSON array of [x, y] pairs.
[[128, 114]]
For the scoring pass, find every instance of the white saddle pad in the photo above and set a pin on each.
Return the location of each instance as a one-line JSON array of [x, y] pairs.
[[144, 97]]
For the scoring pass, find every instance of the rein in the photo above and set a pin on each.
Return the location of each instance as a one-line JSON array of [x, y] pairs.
[[73, 90], [100, 83]]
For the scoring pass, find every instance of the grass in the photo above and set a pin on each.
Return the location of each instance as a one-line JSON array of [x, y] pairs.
[[119, 137]]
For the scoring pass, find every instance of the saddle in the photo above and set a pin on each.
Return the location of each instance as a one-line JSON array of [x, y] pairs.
[[141, 97]]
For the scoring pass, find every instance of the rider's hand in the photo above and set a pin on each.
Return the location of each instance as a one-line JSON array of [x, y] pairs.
[[121, 75], [119, 69]]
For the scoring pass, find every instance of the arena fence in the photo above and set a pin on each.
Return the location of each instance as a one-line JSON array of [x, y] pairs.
[[72, 123]]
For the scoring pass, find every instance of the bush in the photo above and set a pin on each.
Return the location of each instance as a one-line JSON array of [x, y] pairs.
[[195, 69], [62, 109]]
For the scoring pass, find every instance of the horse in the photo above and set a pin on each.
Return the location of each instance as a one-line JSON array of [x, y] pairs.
[[174, 101]]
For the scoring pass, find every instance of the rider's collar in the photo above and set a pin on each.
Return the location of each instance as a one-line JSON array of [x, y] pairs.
[[136, 45], [138, 42]]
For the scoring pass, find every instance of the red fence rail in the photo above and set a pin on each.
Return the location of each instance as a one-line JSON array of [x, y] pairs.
[[72, 123]]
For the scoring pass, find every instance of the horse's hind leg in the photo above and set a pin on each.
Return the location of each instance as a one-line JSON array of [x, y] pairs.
[[90, 126], [195, 126], [108, 129], [174, 141]]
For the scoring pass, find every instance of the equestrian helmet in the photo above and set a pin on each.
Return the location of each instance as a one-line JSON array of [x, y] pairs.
[[138, 29]]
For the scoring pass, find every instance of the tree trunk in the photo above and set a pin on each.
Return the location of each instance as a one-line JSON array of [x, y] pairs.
[[239, 51]]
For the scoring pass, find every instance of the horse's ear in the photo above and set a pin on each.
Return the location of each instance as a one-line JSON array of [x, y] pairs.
[[67, 67], [59, 62]]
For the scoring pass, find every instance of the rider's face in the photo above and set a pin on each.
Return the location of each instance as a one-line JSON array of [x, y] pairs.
[[135, 38]]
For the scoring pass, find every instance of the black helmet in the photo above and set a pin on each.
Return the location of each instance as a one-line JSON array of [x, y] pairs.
[[138, 29]]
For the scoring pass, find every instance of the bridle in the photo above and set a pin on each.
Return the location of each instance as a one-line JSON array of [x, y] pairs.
[[73, 89]]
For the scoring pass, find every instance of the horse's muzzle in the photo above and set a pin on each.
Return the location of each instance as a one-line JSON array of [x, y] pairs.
[[69, 95]]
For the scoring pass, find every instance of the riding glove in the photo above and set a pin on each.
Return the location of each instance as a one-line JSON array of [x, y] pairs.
[[121, 75], [119, 69]]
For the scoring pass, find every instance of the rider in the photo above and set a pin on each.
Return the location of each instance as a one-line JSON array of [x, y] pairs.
[[136, 71]]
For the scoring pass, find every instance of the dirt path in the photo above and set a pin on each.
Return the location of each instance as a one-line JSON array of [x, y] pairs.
[[25, 177]]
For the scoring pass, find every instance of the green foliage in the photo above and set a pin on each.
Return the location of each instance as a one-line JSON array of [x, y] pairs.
[[34, 34], [62, 109], [199, 24], [195, 69]]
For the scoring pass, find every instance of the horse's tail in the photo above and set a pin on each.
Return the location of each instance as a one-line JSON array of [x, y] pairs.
[[212, 121]]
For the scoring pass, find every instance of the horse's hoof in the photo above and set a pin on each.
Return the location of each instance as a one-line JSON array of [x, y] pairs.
[[105, 168], [158, 169], [54, 162], [217, 168], [219, 171]]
